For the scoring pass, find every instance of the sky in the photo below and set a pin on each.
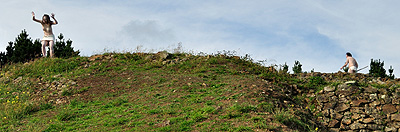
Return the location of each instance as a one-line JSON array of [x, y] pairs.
[[317, 33]]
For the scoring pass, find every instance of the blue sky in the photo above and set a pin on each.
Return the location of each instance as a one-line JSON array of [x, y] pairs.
[[318, 33]]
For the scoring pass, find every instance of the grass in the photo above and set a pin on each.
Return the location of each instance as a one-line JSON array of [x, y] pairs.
[[127, 92]]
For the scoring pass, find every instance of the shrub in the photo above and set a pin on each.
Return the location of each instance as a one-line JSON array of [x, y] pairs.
[[63, 48], [377, 69], [391, 75], [23, 49], [297, 67]]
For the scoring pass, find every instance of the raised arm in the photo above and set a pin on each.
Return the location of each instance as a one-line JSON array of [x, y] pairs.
[[55, 21], [34, 19]]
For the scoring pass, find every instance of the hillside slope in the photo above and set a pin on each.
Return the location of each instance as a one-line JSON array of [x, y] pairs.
[[164, 92]]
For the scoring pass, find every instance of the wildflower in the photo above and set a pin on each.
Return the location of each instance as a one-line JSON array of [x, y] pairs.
[[292, 105], [316, 129], [23, 92], [5, 117]]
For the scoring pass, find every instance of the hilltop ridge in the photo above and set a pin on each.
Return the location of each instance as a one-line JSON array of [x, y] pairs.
[[184, 92]]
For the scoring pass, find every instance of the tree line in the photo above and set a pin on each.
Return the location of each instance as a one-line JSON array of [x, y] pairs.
[[25, 49]]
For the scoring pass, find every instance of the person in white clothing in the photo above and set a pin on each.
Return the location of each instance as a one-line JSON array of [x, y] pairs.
[[48, 39], [353, 65]]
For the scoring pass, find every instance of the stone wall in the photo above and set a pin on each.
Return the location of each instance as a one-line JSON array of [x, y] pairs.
[[355, 106]]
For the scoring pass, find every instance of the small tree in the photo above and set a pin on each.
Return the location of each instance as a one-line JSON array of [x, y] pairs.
[[297, 67], [64, 49], [377, 69], [391, 75], [284, 68], [3, 58], [22, 49]]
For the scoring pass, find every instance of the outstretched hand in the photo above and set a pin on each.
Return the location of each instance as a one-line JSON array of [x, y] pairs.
[[52, 15], [33, 13]]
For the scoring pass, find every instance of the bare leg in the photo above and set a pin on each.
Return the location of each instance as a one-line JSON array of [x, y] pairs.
[[51, 45], [44, 48]]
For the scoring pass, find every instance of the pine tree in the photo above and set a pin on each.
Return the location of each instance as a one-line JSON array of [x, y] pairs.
[[64, 49], [3, 58], [23, 49], [391, 75], [9, 53], [377, 69], [297, 67]]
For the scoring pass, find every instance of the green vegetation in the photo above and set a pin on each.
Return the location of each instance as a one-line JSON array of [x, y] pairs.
[[152, 92], [297, 67], [24, 49], [377, 69]]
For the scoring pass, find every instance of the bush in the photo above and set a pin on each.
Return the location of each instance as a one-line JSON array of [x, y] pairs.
[[63, 48], [297, 67], [377, 69], [391, 75], [23, 49]]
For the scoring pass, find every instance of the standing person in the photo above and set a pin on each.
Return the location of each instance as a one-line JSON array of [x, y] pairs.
[[353, 65], [48, 39]]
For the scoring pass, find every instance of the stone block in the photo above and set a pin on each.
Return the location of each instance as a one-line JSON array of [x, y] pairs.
[[389, 109], [342, 107]]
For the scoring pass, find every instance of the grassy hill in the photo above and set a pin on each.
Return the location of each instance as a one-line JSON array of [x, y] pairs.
[[154, 92]]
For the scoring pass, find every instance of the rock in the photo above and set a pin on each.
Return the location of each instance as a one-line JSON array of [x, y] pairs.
[[389, 109], [359, 102], [336, 115], [355, 116], [375, 103], [342, 107], [395, 117], [346, 121], [95, 57], [390, 129], [357, 125], [163, 55], [373, 127], [368, 120], [333, 123], [329, 88], [334, 130]]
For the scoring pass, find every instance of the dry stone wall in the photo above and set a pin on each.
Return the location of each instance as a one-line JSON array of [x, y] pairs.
[[351, 106]]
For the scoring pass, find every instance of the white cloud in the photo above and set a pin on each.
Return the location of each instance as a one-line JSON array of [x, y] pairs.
[[315, 32]]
